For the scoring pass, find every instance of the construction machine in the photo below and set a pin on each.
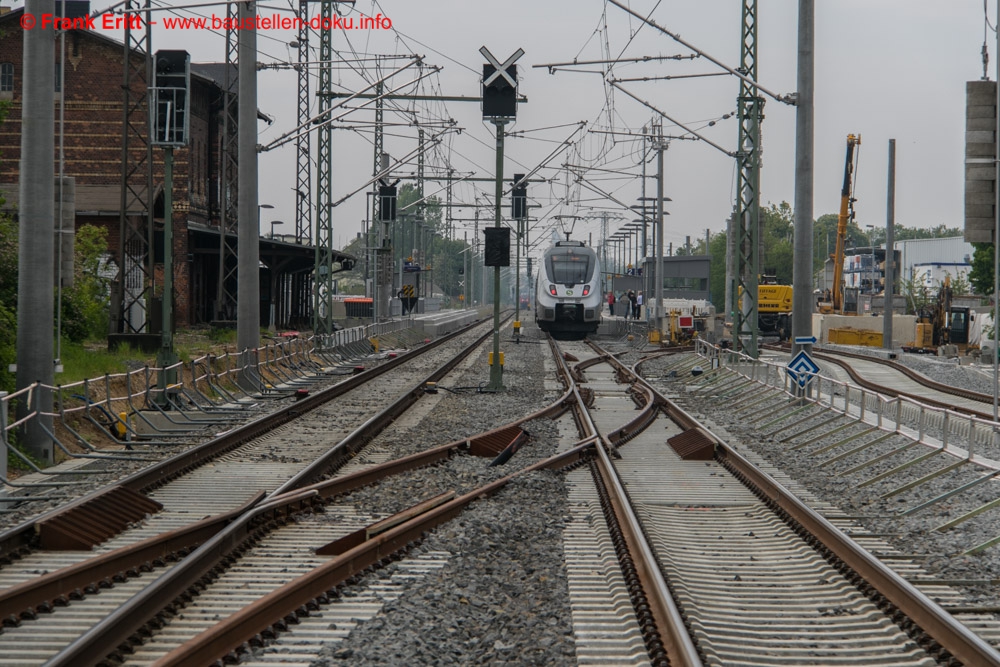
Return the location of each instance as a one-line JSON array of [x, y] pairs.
[[835, 302], [774, 307], [941, 323]]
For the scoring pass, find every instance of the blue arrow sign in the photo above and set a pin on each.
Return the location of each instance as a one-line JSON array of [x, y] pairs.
[[802, 368], [805, 340]]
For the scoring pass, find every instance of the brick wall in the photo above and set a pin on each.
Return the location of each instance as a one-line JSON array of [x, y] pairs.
[[93, 140]]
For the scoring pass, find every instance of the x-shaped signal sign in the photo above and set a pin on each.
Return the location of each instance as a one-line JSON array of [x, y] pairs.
[[501, 70]]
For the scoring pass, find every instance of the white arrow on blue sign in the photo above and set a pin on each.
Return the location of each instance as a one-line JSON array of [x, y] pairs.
[[802, 369], [805, 340]]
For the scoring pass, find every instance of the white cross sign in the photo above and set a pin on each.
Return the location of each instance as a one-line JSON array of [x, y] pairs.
[[501, 69]]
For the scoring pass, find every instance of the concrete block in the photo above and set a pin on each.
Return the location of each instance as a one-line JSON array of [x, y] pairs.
[[975, 172], [985, 123], [984, 136], [980, 92], [979, 189], [978, 210]]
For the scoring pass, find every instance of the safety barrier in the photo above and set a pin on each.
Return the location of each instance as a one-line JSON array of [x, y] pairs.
[[947, 431], [134, 411]]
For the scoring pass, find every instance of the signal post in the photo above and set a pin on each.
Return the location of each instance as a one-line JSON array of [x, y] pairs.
[[500, 108]]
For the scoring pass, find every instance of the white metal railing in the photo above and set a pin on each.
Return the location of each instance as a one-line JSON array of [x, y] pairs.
[[956, 433], [215, 384]]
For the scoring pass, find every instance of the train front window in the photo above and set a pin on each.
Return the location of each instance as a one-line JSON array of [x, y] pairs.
[[570, 269]]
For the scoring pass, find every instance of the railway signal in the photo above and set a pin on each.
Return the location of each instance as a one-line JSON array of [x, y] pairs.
[[500, 86], [499, 107]]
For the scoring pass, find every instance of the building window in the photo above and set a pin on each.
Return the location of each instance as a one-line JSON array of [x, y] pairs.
[[6, 77], [58, 78]]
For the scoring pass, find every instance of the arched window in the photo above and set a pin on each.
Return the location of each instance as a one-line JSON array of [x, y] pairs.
[[6, 77]]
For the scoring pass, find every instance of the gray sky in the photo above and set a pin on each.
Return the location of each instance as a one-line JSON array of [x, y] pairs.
[[886, 69]]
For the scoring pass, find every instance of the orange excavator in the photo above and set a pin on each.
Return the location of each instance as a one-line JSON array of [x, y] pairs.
[[836, 302]]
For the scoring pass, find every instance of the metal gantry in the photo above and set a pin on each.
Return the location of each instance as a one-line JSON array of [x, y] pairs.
[[130, 306], [749, 108]]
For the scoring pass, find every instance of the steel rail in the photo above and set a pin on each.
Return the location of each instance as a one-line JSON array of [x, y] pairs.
[[672, 642], [373, 426], [119, 626], [310, 590], [862, 568], [23, 536], [223, 639], [25, 599]]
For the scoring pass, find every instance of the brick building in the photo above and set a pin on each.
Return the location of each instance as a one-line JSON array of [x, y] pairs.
[[93, 121]]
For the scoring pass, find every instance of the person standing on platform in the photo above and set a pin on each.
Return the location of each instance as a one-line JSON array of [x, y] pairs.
[[631, 307], [638, 306], [611, 303]]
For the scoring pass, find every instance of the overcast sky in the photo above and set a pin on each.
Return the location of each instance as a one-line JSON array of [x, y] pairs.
[[885, 69]]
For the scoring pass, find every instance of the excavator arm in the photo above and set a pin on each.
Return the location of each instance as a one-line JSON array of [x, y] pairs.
[[846, 213]]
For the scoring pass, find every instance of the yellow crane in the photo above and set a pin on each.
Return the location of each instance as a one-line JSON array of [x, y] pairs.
[[836, 302]]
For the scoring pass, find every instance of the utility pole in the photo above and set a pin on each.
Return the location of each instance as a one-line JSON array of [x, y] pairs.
[[657, 312], [36, 256], [730, 266], [227, 289], [132, 290], [890, 253], [802, 266], [372, 249], [303, 162], [749, 108], [248, 296]]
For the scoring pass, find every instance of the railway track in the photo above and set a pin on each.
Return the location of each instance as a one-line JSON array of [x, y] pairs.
[[274, 454], [760, 577], [697, 571]]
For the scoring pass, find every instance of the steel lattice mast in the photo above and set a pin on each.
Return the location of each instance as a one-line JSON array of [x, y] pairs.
[[323, 286], [303, 167], [130, 306], [747, 224], [226, 294]]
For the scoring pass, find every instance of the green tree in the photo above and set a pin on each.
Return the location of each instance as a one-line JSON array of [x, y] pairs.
[[85, 305], [8, 288], [981, 275]]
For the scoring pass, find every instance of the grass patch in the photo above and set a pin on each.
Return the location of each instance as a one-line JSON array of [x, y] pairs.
[[93, 360]]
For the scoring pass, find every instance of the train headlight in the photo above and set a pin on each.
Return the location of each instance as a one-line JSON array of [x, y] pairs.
[[586, 290], [552, 290]]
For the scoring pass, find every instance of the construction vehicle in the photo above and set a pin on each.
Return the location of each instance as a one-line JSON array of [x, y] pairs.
[[835, 302], [940, 323], [774, 306]]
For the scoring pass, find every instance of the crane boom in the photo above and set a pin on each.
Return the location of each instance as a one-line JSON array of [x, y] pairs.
[[846, 213]]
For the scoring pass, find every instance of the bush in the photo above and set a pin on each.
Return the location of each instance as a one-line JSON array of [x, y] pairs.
[[8, 347]]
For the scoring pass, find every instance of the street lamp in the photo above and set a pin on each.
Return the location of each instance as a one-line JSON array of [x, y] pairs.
[[259, 207], [275, 223]]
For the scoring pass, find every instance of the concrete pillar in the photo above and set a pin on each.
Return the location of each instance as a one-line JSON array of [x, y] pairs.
[[36, 261]]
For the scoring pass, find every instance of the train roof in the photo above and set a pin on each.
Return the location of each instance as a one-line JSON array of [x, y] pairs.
[[573, 244]]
